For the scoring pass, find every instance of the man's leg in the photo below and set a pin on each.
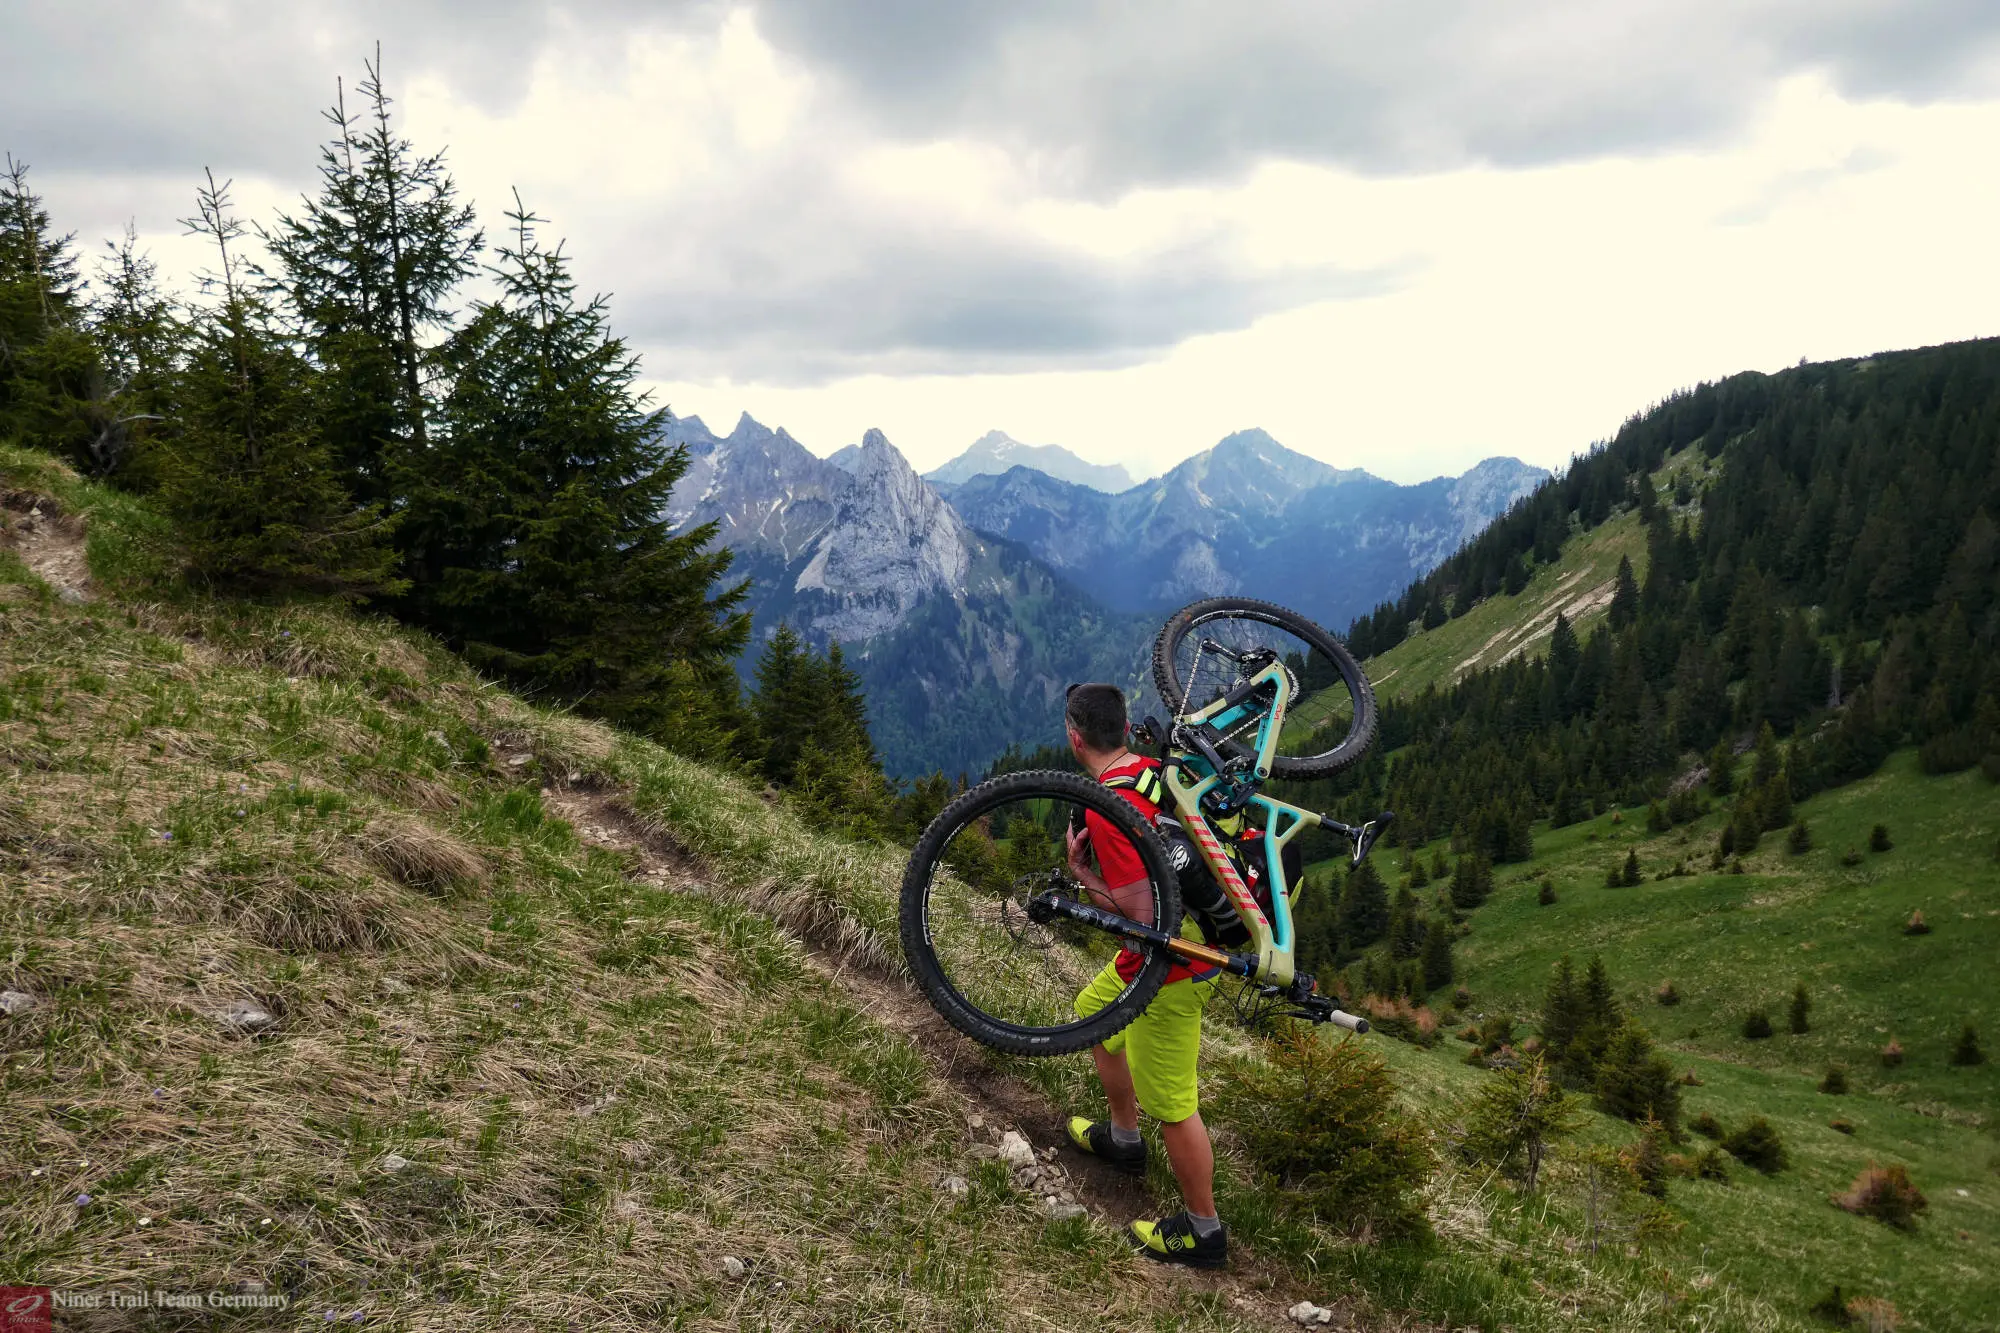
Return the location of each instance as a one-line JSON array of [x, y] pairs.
[[1116, 1076], [1193, 1160]]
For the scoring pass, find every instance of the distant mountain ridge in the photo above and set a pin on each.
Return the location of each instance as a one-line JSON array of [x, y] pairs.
[[1250, 516], [963, 642], [965, 615], [996, 453]]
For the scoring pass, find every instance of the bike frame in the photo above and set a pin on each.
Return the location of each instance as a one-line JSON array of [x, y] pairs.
[[1189, 775]]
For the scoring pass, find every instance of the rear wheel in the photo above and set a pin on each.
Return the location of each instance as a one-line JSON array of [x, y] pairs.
[[1199, 656], [976, 931]]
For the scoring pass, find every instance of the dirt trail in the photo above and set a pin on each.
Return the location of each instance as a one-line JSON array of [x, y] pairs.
[[994, 1100], [48, 541]]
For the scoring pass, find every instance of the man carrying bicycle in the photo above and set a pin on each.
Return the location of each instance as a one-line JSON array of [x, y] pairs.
[[1150, 1066]]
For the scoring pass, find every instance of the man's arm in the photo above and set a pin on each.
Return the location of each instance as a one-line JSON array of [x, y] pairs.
[[1133, 901]]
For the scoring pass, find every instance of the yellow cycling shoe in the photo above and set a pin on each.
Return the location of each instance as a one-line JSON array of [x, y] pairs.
[[1173, 1240], [1094, 1137]]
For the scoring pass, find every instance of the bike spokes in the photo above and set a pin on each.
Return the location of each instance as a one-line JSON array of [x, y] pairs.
[[1012, 961]]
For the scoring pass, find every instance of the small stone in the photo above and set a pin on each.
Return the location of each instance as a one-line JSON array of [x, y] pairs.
[[145, 1221], [1014, 1150], [13, 1002], [1965, 1194], [1063, 1212], [984, 1152], [393, 1163], [955, 1186], [520, 761], [244, 1017], [977, 1122], [733, 1266], [1305, 1312], [1047, 1154], [394, 986]]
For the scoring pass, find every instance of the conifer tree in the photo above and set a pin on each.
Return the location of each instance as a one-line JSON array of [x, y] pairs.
[[1624, 596], [245, 477], [1722, 768], [1767, 763], [1438, 967], [1967, 1052], [1799, 840], [1632, 874], [1364, 908], [1746, 827], [1801, 1007], [369, 264], [1562, 1010], [1634, 1082], [540, 546], [1547, 895], [139, 338], [1406, 926], [47, 363], [1471, 881]]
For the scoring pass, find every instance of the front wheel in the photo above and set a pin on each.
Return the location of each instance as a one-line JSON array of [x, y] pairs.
[[976, 931], [1201, 653]]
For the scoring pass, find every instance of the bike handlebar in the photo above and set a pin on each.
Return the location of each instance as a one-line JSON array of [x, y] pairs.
[[1340, 1018]]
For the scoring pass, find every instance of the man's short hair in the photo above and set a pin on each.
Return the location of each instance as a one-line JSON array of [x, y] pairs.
[[1097, 711]]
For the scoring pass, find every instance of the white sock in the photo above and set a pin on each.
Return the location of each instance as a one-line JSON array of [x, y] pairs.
[[1125, 1138], [1205, 1226]]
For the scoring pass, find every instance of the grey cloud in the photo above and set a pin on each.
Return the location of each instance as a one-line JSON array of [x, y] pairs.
[[792, 280], [1107, 94], [165, 88], [1097, 94]]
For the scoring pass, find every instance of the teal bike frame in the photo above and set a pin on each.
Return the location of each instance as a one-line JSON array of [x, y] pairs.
[[1194, 769]]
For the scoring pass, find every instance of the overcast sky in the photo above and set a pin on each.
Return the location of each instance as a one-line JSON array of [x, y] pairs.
[[1400, 236]]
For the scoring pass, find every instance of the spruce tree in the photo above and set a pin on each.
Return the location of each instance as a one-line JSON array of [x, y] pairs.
[[1364, 908], [540, 546], [139, 339], [1767, 763], [1562, 1010], [1722, 768], [1634, 1082], [1406, 926], [1624, 596], [369, 264], [1632, 875], [1801, 1007], [1438, 967], [1799, 841], [48, 366], [245, 478], [1967, 1052]]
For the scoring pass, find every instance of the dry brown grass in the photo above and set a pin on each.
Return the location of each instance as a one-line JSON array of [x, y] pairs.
[[421, 856]]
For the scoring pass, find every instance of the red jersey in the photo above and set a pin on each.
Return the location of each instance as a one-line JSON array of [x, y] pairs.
[[1119, 864]]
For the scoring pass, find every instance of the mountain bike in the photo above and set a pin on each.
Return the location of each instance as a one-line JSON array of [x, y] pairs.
[[999, 935]]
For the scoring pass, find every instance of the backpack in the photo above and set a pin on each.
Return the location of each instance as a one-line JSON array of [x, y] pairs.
[[1201, 895]]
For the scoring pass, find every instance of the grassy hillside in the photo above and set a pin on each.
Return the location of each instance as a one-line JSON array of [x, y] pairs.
[[1731, 943]]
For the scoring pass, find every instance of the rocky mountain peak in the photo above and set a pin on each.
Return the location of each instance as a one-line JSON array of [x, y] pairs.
[[893, 542], [996, 452]]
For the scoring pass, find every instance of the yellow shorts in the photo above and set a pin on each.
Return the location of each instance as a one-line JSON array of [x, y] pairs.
[[1161, 1045]]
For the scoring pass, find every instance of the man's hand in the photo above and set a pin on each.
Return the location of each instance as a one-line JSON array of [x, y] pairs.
[[1078, 841]]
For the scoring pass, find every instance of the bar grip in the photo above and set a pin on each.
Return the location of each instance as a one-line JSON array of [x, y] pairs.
[[1340, 1018]]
